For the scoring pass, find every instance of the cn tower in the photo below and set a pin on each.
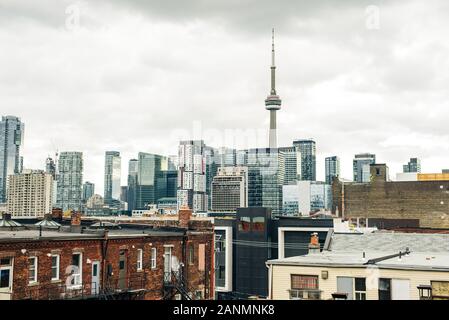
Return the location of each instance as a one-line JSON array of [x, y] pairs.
[[273, 101]]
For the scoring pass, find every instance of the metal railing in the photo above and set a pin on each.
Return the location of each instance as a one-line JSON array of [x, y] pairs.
[[111, 287]]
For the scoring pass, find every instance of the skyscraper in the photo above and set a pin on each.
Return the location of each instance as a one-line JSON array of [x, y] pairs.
[[88, 191], [307, 148], [150, 167], [230, 189], [332, 168], [290, 164], [133, 168], [361, 166], [273, 101], [414, 165], [192, 170], [112, 175], [50, 167], [70, 181], [11, 138]]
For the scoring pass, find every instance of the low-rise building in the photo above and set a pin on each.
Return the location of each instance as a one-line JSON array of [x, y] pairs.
[[93, 259], [370, 266]]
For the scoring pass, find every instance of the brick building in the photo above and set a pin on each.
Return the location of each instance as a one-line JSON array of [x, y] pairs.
[[421, 203], [104, 260]]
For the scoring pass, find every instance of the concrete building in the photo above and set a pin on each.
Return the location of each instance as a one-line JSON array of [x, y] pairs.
[[332, 168], [230, 189], [169, 259], [70, 180], [414, 165], [370, 266], [11, 139], [112, 176], [307, 149], [273, 101], [361, 166], [192, 172], [425, 200], [306, 198], [30, 194]]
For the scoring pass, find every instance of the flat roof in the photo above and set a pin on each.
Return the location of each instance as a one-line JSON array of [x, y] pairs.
[[413, 261]]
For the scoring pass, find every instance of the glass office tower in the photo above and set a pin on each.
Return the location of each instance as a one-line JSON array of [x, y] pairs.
[[11, 138], [307, 148], [112, 176]]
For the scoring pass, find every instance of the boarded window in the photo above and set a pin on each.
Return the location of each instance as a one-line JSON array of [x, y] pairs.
[[302, 282], [201, 257]]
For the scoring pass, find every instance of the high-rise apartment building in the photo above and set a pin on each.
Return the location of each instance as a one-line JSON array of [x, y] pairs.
[[306, 197], [230, 189], [112, 176], [361, 166], [332, 168], [70, 181], [11, 138], [192, 171], [30, 194], [88, 191], [290, 164], [307, 148], [414, 165]]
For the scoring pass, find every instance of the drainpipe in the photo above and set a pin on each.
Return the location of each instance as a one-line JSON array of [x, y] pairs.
[[103, 259]]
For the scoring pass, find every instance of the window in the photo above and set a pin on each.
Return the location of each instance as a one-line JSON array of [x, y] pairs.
[[32, 269], [304, 287], [75, 276], [191, 254], [440, 290], [360, 288], [244, 224], [55, 267], [139, 259], [201, 257], [258, 224], [384, 289], [5, 274], [153, 258]]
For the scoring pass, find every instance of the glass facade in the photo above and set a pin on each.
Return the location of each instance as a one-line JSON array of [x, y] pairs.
[[361, 166], [332, 168], [307, 148], [11, 138], [112, 176]]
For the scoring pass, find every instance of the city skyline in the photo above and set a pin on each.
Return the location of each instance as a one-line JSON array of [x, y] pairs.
[[372, 102]]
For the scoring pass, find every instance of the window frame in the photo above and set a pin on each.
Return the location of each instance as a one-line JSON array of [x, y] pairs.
[[139, 259], [153, 258], [58, 260], [77, 276], [35, 266]]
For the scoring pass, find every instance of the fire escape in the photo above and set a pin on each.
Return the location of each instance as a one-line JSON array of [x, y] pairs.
[[175, 283]]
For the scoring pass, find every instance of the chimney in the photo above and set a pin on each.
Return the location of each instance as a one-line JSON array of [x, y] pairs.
[[184, 215], [314, 245], [6, 216], [56, 214], [75, 222]]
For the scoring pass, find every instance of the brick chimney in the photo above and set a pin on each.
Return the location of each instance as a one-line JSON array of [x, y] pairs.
[[56, 214], [184, 215], [314, 245], [75, 222]]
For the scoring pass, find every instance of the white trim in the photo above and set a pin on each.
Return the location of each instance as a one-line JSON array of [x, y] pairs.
[[153, 258], [35, 269], [58, 259], [228, 259], [139, 259], [281, 234]]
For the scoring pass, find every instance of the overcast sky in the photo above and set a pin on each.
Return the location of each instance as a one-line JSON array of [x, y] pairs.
[[357, 76]]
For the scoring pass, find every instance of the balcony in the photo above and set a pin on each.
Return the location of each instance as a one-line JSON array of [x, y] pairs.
[[305, 294]]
